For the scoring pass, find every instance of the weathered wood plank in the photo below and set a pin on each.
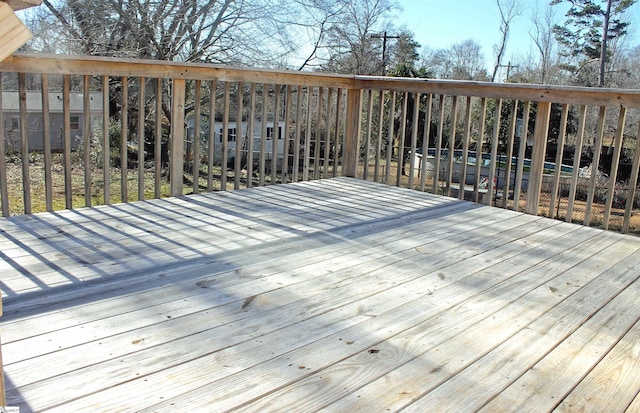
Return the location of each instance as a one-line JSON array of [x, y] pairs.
[[13, 33], [359, 339], [613, 383], [384, 272], [431, 351], [336, 294], [570, 297], [380, 226], [545, 385], [22, 4], [392, 247], [348, 295]]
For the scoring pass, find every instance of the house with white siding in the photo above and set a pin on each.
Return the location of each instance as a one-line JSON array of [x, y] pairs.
[[35, 127]]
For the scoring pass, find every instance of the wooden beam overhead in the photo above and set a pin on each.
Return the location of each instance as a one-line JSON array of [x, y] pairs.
[[13, 33], [22, 4]]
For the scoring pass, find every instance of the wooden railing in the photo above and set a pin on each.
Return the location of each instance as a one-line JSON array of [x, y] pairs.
[[82, 131]]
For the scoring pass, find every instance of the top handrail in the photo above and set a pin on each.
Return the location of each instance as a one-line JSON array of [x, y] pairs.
[[107, 66]]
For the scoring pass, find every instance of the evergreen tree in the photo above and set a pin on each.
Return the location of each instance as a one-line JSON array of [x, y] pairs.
[[588, 27]]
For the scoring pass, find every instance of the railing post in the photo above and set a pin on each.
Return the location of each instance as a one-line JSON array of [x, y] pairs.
[[177, 136], [352, 133], [537, 157]]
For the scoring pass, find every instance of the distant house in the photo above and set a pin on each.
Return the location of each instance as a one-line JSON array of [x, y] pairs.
[[11, 118], [235, 137]]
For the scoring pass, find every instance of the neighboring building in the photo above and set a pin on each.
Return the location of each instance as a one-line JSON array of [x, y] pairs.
[[11, 117], [234, 136]]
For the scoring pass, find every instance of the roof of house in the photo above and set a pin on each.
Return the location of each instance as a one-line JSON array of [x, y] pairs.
[[10, 102]]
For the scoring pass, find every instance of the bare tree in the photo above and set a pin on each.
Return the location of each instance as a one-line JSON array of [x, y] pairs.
[[541, 32], [351, 46], [462, 61], [263, 33], [509, 10]]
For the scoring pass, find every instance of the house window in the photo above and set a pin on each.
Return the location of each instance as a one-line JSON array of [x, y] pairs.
[[270, 131], [75, 122], [231, 135], [12, 123]]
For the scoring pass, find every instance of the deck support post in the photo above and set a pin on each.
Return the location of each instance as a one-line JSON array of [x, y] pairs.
[[537, 157], [176, 159], [352, 133]]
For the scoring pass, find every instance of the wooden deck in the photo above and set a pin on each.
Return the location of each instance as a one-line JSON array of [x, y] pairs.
[[335, 295]]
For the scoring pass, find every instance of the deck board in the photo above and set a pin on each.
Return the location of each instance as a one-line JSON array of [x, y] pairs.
[[330, 295]]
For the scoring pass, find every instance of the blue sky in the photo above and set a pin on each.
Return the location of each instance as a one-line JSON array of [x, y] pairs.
[[442, 23]]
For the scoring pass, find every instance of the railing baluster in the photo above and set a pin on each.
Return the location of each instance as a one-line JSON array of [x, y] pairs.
[[197, 127], [337, 149], [237, 164], [491, 187], [517, 190], [392, 109], [106, 150], [86, 131], [436, 178], [275, 135], [211, 144], [426, 135], [176, 157], [66, 108], [157, 153], [465, 148], [318, 140], [414, 136], [367, 141], [452, 142], [46, 137], [576, 162], [225, 136], [286, 134], [376, 171], [250, 134], [555, 187], [479, 149], [617, 149], [24, 145], [298, 131], [403, 132], [307, 136], [263, 133], [593, 182], [141, 117], [124, 141], [509, 154], [4, 190]]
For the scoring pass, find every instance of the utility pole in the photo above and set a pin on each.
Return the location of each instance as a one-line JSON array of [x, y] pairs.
[[508, 66], [384, 38]]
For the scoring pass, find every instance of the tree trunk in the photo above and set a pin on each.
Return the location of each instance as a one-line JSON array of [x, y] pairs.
[[603, 49]]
